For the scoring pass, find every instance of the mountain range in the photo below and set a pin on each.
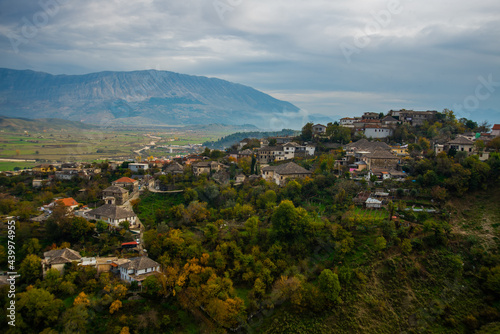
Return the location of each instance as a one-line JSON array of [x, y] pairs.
[[146, 97]]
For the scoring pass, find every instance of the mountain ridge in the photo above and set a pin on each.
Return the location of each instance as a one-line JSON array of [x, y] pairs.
[[136, 97]]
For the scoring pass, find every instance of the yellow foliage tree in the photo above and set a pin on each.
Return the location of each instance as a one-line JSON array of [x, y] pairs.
[[125, 330], [115, 306], [82, 299]]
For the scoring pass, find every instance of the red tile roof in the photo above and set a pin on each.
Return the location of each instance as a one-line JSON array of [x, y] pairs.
[[125, 180], [130, 243], [68, 201], [496, 127]]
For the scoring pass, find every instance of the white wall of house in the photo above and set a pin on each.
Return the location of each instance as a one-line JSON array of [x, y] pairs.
[[135, 167], [378, 132]]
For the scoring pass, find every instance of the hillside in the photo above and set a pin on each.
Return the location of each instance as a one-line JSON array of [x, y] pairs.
[[138, 97], [43, 124]]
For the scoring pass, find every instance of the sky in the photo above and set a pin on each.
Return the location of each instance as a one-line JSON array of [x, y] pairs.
[[335, 58]]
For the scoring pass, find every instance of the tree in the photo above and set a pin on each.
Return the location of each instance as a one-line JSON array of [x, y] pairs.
[[115, 306], [380, 244], [38, 307], [329, 285], [494, 144], [31, 268], [307, 132], [74, 319], [32, 246], [289, 222], [406, 247], [81, 299]]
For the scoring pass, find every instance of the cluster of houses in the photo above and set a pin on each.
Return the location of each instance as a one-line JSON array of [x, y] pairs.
[[467, 143], [373, 126], [365, 158], [135, 269]]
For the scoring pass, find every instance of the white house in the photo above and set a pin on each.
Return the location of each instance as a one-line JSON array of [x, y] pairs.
[[138, 269], [377, 131], [135, 167]]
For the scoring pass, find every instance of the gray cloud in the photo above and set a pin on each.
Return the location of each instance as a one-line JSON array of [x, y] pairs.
[[424, 54]]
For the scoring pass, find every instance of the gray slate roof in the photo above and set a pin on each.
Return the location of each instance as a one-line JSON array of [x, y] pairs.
[[115, 189], [111, 211], [139, 263], [174, 167], [365, 145], [289, 168], [461, 141], [381, 154], [58, 256]]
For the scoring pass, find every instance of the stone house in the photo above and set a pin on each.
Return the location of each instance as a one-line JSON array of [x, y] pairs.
[[281, 173], [120, 194]]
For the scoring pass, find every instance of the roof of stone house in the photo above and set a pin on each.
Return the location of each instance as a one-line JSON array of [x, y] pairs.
[[115, 189], [366, 145], [381, 154], [125, 180], [58, 256], [389, 119], [174, 166], [139, 263], [271, 148], [291, 144], [461, 141], [246, 152], [112, 211], [287, 169]]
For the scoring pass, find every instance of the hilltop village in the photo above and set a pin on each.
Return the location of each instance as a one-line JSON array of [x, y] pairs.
[[278, 225]]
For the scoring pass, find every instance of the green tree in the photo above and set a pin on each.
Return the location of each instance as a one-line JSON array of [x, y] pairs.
[[289, 222], [307, 132], [380, 244], [329, 285], [38, 307], [31, 268], [406, 247]]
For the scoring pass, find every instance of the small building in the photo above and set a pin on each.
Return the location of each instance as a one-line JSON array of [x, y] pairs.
[[113, 215], [127, 183], [120, 194], [207, 167], [319, 129], [461, 144], [58, 258], [69, 203], [281, 173], [373, 203], [495, 130], [377, 131], [135, 167], [138, 269], [174, 168]]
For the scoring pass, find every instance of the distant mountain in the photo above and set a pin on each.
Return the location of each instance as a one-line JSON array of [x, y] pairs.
[[25, 124], [139, 97]]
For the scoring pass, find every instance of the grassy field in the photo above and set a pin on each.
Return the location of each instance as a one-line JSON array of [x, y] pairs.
[[9, 166], [90, 145]]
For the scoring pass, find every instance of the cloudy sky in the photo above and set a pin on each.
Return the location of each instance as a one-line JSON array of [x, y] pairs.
[[332, 58]]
